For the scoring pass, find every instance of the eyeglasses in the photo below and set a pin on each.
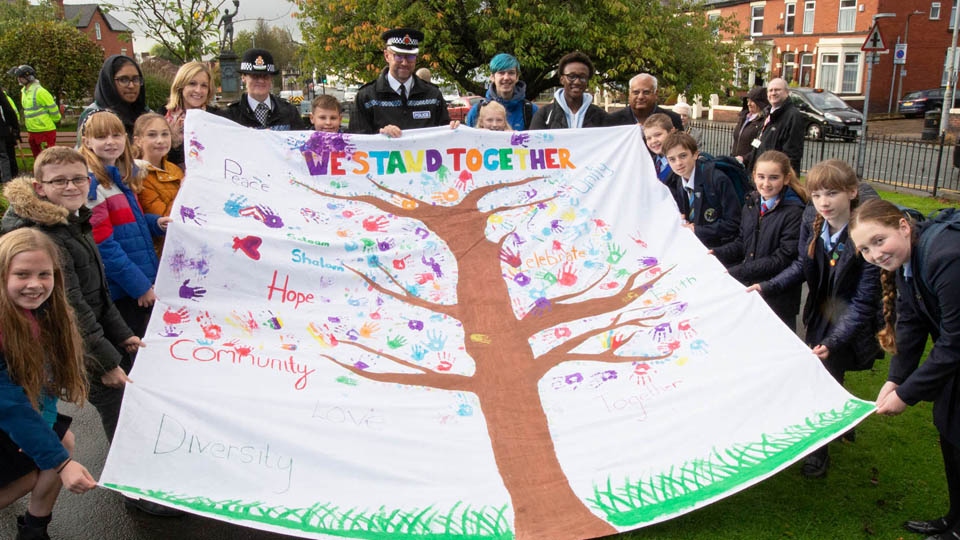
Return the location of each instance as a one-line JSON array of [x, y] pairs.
[[61, 183], [405, 57], [128, 81], [575, 78]]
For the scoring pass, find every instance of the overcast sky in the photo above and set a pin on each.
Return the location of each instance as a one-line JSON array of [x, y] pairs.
[[274, 12]]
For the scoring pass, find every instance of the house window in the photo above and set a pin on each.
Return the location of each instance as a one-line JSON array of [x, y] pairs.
[[808, 8], [789, 18], [953, 13], [96, 28], [935, 11], [756, 21], [851, 72], [123, 51], [713, 20], [806, 69], [848, 16], [828, 70], [789, 66]]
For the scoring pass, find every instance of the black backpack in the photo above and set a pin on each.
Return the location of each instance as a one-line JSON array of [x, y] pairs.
[[735, 170], [936, 222]]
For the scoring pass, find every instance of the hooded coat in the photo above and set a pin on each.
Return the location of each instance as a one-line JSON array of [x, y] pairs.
[[515, 107], [747, 130], [105, 96], [99, 321]]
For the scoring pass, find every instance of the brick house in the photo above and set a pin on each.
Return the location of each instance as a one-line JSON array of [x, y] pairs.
[[816, 43], [104, 29]]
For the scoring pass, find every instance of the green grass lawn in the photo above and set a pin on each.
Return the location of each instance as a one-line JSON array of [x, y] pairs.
[[892, 473]]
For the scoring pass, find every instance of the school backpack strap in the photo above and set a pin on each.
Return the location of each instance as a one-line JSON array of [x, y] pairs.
[[938, 221], [734, 170]]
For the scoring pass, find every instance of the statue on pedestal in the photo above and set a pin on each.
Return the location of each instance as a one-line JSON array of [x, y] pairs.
[[226, 21]]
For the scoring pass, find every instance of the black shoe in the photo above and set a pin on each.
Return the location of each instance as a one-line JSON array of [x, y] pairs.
[[152, 508], [933, 526], [949, 535], [815, 466], [30, 533]]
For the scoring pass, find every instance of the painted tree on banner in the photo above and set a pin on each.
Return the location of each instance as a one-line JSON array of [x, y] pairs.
[[498, 334]]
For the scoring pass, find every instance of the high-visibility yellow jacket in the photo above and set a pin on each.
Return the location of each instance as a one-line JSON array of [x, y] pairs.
[[40, 111]]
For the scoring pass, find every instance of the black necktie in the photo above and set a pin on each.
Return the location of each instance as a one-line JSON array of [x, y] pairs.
[[403, 94], [262, 113]]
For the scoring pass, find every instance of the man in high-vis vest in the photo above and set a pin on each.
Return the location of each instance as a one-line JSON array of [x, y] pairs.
[[40, 111]]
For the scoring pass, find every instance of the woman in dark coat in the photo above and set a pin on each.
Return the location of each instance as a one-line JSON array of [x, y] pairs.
[[750, 123], [120, 89]]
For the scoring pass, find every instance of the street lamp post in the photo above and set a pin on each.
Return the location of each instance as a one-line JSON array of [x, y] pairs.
[[862, 147], [951, 75]]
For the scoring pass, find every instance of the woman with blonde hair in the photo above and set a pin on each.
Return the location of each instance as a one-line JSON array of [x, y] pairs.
[[192, 88]]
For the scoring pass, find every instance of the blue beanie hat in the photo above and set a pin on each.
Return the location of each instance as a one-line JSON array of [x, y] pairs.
[[502, 62]]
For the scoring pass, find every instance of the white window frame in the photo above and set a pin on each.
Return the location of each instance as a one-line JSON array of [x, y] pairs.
[[850, 59], [808, 65], [844, 49], [822, 70], [935, 11], [96, 29], [953, 14], [789, 17], [848, 12], [754, 19], [809, 7]]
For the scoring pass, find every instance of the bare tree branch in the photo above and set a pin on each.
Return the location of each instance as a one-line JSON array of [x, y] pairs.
[[392, 358], [571, 296], [560, 352], [507, 208]]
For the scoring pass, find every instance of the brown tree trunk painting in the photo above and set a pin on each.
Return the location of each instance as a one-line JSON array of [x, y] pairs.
[[507, 372]]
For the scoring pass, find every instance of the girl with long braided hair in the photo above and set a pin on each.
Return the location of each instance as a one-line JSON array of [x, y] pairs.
[[921, 299], [841, 314]]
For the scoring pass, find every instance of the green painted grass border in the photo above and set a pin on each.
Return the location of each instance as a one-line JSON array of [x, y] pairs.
[[695, 482], [461, 522]]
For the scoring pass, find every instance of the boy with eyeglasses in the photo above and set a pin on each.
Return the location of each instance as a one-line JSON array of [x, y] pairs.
[[53, 202], [398, 99], [572, 105]]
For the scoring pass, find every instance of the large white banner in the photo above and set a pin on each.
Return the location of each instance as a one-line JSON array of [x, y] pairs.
[[454, 334]]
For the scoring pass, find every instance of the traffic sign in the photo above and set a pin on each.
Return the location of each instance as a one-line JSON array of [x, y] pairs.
[[900, 53], [874, 41]]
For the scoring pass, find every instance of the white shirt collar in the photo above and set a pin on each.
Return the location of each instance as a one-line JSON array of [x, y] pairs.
[[253, 103], [689, 184], [395, 84]]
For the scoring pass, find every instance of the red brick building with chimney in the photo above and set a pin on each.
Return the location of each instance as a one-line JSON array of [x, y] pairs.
[[104, 29], [816, 43]]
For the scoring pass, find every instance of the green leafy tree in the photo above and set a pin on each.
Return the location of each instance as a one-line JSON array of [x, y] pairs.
[[187, 29], [673, 39], [159, 51], [15, 13], [67, 62], [276, 39]]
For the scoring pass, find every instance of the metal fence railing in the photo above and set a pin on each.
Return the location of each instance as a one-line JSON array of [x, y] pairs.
[[888, 159]]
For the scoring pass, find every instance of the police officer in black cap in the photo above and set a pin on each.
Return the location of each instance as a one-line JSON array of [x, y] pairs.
[[258, 108], [398, 99]]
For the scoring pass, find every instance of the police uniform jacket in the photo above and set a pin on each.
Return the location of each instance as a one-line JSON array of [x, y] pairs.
[[784, 132], [283, 116], [767, 244], [934, 313], [716, 208], [378, 106]]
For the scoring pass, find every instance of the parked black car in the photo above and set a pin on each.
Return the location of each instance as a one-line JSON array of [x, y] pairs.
[[827, 115], [916, 103]]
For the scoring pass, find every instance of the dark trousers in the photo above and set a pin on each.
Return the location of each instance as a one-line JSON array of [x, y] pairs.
[[105, 399], [951, 466]]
